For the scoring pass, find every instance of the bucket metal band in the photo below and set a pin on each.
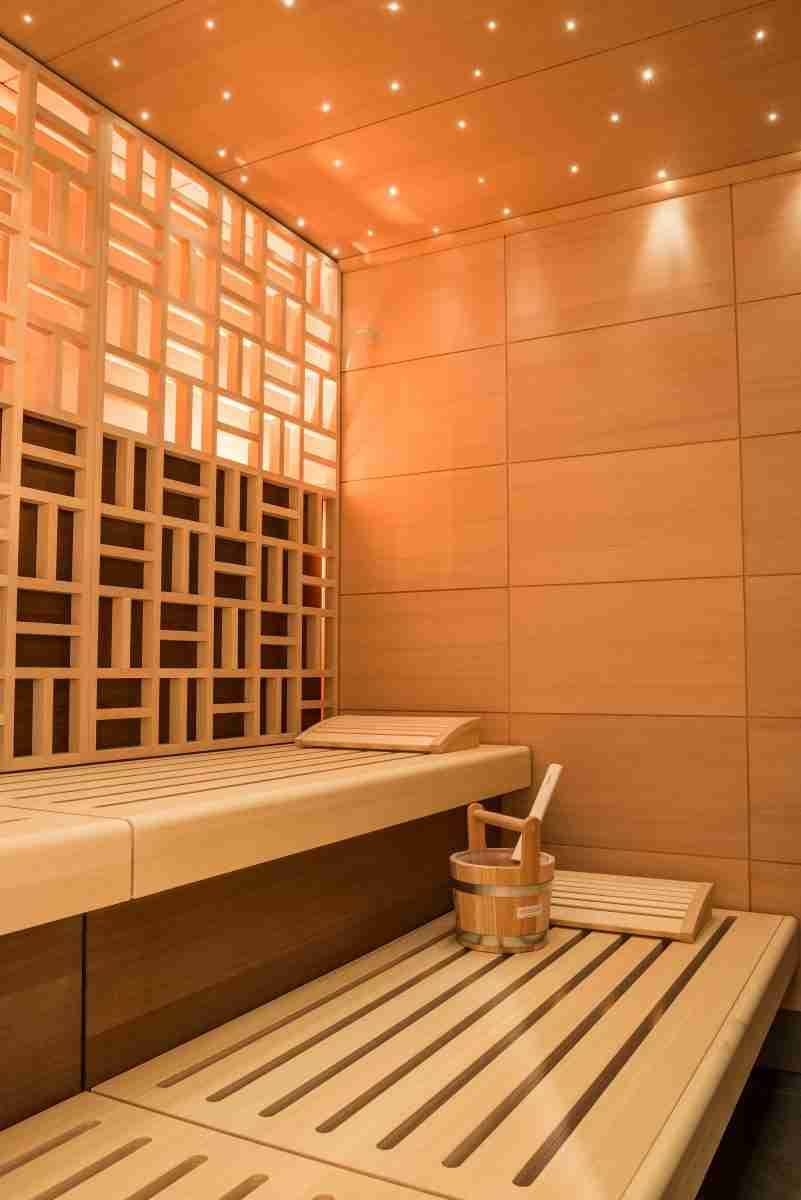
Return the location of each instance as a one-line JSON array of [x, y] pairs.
[[506, 942], [503, 890]]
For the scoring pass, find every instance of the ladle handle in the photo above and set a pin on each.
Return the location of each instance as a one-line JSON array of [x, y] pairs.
[[528, 829]]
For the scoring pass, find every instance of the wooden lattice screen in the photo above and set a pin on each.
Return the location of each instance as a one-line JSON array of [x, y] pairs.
[[168, 455]]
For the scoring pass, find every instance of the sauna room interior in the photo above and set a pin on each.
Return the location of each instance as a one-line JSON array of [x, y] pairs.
[[400, 600]]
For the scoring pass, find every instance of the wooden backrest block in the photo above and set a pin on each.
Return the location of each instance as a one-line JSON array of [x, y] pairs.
[[425, 735]]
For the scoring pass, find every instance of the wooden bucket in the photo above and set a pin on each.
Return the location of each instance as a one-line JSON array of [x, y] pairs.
[[502, 906]]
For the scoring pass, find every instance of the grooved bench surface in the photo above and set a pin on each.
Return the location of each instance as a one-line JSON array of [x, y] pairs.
[[557, 1073], [201, 815], [91, 1148], [55, 865]]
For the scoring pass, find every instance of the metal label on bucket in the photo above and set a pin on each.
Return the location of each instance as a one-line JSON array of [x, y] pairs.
[[533, 910]]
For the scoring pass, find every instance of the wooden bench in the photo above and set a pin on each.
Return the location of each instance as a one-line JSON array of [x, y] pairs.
[[603, 1067]]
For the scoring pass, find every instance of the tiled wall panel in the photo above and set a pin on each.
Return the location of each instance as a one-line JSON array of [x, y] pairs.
[[168, 449]]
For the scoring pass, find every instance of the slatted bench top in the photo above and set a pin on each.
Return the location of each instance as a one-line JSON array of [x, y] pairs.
[[192, 817], [55, 865], [604, 1066]]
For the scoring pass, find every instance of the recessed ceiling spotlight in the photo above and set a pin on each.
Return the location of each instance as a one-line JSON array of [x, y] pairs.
[[773, 117], [288, 3], [394, 85], [335, 250], [477, 72], [211, 23], [507, 212], [221, 153], [392, 190], [326, 106], [614, 118], [760, 35], [339, 162], [393, 6], [574, 168], [27, 18], [144, 115], [116, 64], [371, 233], [571, 25], [243, 178], [482, 179], [461, 123], [661, 173], [301, 221], [435, 228], [647, 74], [227, 94], [492, 26]]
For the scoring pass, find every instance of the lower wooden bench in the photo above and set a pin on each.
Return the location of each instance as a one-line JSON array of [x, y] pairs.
[[604, 1066]]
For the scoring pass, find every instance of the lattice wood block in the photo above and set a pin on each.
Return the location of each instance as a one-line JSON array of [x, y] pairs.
[[90, 1147], [626, 904], [168, 452], [427, 735], [554, 1072]]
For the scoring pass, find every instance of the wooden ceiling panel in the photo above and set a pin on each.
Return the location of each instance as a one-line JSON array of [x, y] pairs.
[[707, 107], [542, 100]]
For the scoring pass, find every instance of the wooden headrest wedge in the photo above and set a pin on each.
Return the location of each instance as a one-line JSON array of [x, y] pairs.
[[389, 731]]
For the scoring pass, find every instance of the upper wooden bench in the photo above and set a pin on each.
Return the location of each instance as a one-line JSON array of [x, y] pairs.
[[81, 838]]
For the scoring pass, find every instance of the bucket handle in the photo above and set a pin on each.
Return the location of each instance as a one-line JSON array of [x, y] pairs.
[[528, 829]]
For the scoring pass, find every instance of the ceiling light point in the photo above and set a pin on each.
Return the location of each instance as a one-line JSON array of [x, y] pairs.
[[574, 168], [116, 64], [477, 72], [571, 25], [27, 18], [335, 250], [288, 3], [144, 115], [243, 178], [647, 74], [221, 153], [371, 233], [482, 179], [435, 228], [301, 221], [461, 123], [662, 173], [393, 6], [760, 35], [326, 106], [507, 212], [492, 26], [211, 23], [773, 117], [227, 94], [338, 162], [392, 190], [614, 118], [394, 85]]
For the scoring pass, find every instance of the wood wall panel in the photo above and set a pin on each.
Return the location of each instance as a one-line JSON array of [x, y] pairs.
[[425, 650], [432, 414], [767, 237], [770, 365], [443, 530], [433, 305], [40, 1018], [773, 605], [775, 772], [729, 875], [645, 514], [635, 782], [772, 504], [645, 262], [776, 887], [568, 394], [642, 648], [164, 969]]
